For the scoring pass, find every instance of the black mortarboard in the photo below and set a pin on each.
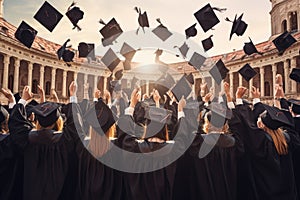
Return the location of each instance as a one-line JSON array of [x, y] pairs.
[[274, 118], [207, 17], [48, 16], [128, 52], [191, 31], [249, 48], [64, 53], [197, 60], [159, 115], [182, 88], [119, 74], [190, 78], [99, 115], [47, 113], [238, 26], [218, 114], [74, 14], [284, 41], [207, 43], [86, 50], [247, 72], [161, 31], [183, 49], [3, 114], [110, 32], [30, 107], [25, 34], [110, 59], [142, 19], [295, 104], [219, 71], [295, 75], [164, 84]]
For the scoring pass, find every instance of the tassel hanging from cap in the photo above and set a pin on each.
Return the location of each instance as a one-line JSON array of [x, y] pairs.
[[73, 4], [219, 9], [102, 22], [228, 20]]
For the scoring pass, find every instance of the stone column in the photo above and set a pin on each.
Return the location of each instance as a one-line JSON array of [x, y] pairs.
[[286, 76], [85, 78], [5, 71], [75, 76], [294, 84], [42, 73], [64, 86], [250, 87], [53, 74], [95, 83], [262, 81], [16, 75], [231, 82], [147, 88], [240, 80], [30, 69], [274, 71]]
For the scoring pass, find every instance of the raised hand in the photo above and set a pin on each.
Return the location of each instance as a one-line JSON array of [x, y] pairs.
[[27, 94], [181, 104], [135, 96], [240, 92], [73, 88], [8, 94], [97, 94], [255, 92], [41, 93]]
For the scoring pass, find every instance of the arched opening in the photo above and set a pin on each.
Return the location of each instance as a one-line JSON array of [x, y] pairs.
[[267, 89], [293, 21], [283, 25], [35, 86], [48, 88], [11, 82]]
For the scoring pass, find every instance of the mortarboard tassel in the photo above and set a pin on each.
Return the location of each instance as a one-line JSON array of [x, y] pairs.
[[73, 4], [102, 22], [228, 20], [219, 9]]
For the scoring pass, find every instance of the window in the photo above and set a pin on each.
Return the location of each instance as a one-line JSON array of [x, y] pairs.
[[35, 86], [293, 21], [267, 89], [283, 26], [11, 82], [48, 88]]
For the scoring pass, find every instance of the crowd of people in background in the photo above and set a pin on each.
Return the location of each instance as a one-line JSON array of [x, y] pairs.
[[238, 149]]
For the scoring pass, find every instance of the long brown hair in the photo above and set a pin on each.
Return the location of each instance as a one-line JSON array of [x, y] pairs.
[[277, 137]]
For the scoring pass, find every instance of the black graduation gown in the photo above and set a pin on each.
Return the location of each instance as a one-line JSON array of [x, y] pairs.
[[49, 163], [296, 157], [157, 184], [11, 170], [273, 174]]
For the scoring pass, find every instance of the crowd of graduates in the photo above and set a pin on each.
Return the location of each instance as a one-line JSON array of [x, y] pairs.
[[232, 148]]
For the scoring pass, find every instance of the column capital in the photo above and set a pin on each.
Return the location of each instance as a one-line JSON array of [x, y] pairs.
[[274, 67], [261, 70], [6, 58]]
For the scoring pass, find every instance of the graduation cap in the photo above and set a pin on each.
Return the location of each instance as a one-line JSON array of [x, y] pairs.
[[274, 118], [191, 31], [86, 50], [283, 41], [295, 104], [3, 114], [74, 14], [48, 16], [249, 48], [182, 88], [164, 84], [25, 34], [183, 49], [247, 72], [190, 78], [197, 60], [207, 17], [110, 32], [66, 54], [218, 114], [143, 19], [207, 43], [110, 59], [219, 71], [47, 113], [99, 115], [128, 52], [118, 74], [238, 26], [159, 115], [30, 107], [162, 31], [295, 75]]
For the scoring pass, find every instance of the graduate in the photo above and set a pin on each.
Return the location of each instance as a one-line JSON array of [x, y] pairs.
[[48, 150], [270, 149]]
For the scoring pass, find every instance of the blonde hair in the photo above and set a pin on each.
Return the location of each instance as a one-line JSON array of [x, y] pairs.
[[208, 127], [277, 137], [99, 143], [57, 126], [4, 126]]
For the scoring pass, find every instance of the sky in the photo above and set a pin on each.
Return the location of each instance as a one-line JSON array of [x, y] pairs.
[[176, 15]]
